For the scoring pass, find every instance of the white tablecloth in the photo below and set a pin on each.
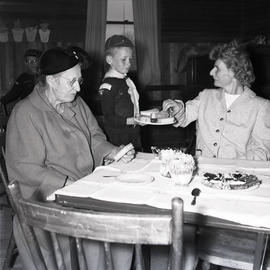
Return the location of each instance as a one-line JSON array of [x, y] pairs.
[[249, 207]]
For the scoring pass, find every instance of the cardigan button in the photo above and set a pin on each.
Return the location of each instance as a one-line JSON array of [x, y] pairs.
[[217, 130], [221, 119], [214, 156], [228, 111], [215, 144]]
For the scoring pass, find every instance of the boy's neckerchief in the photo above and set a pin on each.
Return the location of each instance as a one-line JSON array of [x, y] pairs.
[[132, 90]]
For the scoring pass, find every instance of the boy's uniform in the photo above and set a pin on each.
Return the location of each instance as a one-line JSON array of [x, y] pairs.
[[117, 105], [119, 96]]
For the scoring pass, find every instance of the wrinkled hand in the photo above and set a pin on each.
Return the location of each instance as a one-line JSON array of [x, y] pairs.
[[172, 106], [126, 158]]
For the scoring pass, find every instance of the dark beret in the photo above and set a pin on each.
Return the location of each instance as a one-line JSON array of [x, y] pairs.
[[33, 52], [118, 41], [56, 60]]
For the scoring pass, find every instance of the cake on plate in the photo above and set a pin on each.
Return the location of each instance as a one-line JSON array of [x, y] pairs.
[[155, 117], [230, 181]]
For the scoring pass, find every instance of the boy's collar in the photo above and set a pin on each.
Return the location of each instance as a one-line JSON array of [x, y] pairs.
[[115, 74]]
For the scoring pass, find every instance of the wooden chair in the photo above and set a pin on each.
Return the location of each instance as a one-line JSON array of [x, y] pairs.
[[231, 248], [109, 228], [3, 125], [11, 252], [3, 109]]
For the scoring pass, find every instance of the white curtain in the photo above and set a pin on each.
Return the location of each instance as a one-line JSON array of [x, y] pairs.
[[95, 35], [147, 41]]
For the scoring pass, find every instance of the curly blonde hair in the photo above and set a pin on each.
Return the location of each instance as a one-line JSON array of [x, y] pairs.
[[237, 59]]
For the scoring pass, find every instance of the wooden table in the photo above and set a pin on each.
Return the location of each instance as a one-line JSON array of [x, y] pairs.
[[190, 217]]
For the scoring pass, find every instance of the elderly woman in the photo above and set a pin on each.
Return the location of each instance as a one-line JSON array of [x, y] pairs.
[[232, 122], [52, 140]]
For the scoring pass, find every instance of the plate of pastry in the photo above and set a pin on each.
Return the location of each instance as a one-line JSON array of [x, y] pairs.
[[231, 181], [155, 117]]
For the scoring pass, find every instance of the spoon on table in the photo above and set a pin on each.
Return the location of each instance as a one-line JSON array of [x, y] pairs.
[[195, 193]]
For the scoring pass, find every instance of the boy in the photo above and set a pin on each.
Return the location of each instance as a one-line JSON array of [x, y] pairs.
[[119, 97]]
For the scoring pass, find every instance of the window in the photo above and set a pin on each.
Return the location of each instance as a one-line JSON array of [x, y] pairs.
[[120, 22]]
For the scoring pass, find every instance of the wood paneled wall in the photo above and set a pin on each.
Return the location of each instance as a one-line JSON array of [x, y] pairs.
[[189, 28], [212, 20], [200, 20], [184, 23], [256, 19], [66, 19]]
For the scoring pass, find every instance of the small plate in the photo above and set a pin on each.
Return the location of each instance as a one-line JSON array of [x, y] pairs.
[[161, 122], [134, 178]]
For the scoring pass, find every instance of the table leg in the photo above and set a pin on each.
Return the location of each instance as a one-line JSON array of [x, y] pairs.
[[260, 245]]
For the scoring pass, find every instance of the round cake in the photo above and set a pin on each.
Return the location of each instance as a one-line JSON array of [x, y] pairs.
[[230, 181]]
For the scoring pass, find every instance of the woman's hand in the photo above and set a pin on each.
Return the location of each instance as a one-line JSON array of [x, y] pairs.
[[172, 106], [126, 155]]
